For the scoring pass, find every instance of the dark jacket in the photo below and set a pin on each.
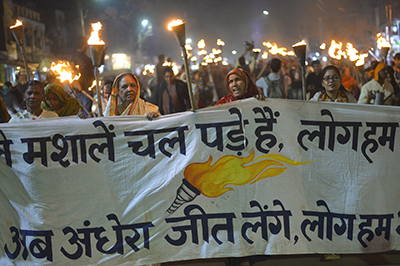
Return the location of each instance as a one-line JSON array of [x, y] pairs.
[[181, 91]]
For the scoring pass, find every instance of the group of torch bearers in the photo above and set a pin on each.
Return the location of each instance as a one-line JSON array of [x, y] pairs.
[[69, 75]]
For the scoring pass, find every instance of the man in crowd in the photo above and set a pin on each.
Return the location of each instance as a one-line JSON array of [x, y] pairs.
[[378, 84], [172, 95], [273, 84], [87, 72], [160, 69], [314, 79]]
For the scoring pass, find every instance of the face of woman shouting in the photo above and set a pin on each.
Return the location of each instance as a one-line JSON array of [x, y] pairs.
[[237, 85]]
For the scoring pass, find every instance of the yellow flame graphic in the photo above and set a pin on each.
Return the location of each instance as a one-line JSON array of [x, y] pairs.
[[212, 180]]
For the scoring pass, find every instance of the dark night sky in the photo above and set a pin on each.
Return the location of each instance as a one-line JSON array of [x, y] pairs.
[[234, 21]]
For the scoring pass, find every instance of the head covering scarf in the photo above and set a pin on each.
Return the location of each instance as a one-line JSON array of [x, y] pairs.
[[71, 105], [375, 72], [341, 97], [134, 108], [4, 115], [250, 89]]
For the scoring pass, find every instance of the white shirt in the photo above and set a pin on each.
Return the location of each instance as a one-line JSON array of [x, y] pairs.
[[373, 86], [24, 115]]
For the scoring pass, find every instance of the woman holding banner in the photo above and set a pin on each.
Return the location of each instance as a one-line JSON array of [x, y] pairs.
[[333, 88], [34, 95], [125, 100], [240, 86]]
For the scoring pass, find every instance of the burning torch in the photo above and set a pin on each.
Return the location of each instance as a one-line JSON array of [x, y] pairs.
[[64, 71], [178, 28], [384, 45], [300, 51], [96, 47], [18, 33]]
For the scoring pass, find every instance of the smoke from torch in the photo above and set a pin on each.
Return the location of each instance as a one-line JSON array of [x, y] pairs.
[[212, 180]]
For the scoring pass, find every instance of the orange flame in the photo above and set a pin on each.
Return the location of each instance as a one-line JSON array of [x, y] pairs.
[[303, 42], [212, 180], [322, 46], [174, 23], [93, 85], [17, 24], [335, 50], [220, 42], [274, 49], [94, 36], [188, 47], [352, 52], [201, 44], [381, 42], [361, 58], [216, 51], [64, 70], [264, 55], [202, 52]]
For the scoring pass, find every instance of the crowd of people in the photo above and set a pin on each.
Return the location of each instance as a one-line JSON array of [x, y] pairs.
[[166, 92]]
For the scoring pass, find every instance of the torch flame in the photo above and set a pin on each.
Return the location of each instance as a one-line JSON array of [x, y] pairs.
[[381, 42], [274, 49], [17, 24], [94, 36], [352, 52], [220, 42], [212, 180], [361, 58], [188, 47], [322, 46], [335, 50], [64, 71], [174, 23], [264, 55], [303, 42], [93, 85], [201, 44]]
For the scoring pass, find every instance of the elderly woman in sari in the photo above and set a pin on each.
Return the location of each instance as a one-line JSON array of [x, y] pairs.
[[240, 86], [333, 88], [34, 95], [125, 100], [57, 100]]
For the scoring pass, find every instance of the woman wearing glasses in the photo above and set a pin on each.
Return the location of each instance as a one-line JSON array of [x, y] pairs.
[[333, 88]]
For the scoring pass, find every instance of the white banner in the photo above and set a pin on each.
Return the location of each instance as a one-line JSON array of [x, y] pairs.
[[244, 178]]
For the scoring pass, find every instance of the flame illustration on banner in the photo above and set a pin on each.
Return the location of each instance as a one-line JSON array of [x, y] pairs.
[[230, 170]]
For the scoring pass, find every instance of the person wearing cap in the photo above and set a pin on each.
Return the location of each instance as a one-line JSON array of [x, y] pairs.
[[378, 84]]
